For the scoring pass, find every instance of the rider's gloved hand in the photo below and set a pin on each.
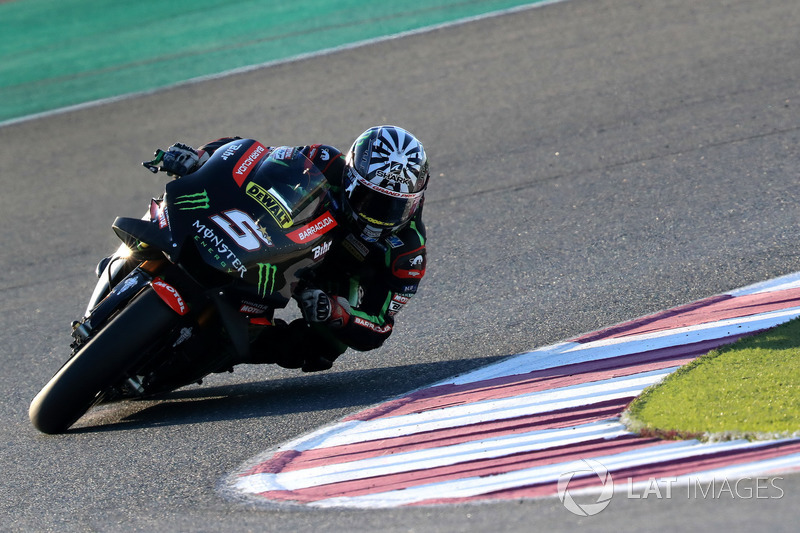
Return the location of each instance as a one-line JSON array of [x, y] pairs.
[[319, 308], [181, 159]]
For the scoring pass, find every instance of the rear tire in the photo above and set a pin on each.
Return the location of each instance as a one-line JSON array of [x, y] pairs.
[[105, 359]]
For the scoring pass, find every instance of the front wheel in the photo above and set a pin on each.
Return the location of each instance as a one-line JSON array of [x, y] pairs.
[[102, 362]]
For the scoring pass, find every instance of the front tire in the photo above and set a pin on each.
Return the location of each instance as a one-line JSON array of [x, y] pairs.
[[105, 359]]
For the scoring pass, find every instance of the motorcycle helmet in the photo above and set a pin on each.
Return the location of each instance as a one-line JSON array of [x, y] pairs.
[[385, 176]]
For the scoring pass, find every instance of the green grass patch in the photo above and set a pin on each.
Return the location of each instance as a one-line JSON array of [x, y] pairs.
[[750, 389]]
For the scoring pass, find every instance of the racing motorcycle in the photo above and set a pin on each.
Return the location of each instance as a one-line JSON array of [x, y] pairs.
[[195, 280]]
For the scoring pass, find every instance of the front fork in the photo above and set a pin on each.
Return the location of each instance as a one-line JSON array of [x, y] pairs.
[[114, 299], [110, 271], [212, 302]]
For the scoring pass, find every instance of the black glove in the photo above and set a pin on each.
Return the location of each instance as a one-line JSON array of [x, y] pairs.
[[181, 159], [319, 308]]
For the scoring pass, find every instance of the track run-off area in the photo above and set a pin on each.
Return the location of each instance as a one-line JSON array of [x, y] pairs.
[[514, 429], [64, 56]]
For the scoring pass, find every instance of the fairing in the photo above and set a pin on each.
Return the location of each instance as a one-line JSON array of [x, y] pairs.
[[265, 231]]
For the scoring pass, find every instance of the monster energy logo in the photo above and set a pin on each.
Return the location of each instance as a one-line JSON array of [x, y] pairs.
[[190, 202], [266, 279]]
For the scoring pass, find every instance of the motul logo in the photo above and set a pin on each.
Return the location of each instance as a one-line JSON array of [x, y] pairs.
[[170, 295]]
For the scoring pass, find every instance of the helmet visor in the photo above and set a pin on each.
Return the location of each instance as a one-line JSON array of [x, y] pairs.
[[381, 207]]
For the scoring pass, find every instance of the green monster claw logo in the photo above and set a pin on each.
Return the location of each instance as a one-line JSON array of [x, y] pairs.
[[266, 279], [190, 202]]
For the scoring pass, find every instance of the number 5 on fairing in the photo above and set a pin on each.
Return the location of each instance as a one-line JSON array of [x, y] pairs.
[[242, 229]]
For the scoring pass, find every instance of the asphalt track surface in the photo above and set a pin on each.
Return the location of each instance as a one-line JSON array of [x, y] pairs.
[[593, 161]]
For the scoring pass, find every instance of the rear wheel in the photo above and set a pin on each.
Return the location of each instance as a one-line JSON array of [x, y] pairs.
[[104, 360]]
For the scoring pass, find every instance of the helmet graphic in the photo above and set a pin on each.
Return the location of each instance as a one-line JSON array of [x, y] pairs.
[[385, 176]]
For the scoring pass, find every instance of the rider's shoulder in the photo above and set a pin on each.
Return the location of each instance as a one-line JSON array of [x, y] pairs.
[[407, 258], [408, 240], [410, 237], [322, 155]]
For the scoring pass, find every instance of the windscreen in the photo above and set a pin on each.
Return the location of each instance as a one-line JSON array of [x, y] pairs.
[[290, 184]]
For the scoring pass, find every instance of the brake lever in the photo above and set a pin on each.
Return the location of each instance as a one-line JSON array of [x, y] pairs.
[[152, 165]]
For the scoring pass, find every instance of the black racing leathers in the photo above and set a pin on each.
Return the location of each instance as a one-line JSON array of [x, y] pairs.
[[377, 279]]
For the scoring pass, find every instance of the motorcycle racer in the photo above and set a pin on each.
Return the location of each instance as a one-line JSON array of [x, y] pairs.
[[369, 275]]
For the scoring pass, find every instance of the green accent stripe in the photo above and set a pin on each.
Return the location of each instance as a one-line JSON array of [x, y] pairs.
[[374, 319], [58, 53], [421, 237], [353, 299]]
